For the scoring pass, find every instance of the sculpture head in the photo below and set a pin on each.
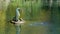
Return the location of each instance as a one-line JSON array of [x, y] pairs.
[[17, 9]]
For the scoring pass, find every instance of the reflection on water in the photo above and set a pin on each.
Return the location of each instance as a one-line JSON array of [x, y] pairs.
[[39, 24]]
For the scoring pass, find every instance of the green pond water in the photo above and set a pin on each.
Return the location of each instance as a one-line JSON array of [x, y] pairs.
[[39, 18]]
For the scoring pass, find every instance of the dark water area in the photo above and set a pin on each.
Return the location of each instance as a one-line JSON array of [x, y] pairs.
[[41, 28]]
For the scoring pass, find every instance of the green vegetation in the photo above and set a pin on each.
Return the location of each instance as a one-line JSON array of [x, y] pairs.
[[32, 11]]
